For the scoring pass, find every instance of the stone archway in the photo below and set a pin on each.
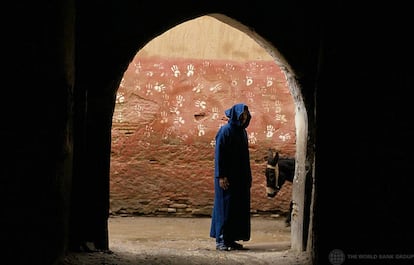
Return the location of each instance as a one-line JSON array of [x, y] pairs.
[[165, 95]]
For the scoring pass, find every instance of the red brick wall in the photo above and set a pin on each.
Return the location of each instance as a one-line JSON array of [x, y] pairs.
[[166, 116]]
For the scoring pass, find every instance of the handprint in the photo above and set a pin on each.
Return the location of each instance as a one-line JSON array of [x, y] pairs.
[[179, 120], [149, 89], [180, 100], [197, 88], [215, 113], [269, 82], [159, 87], [190, 70], [281, 118], [215, 88], [201, 130], [164, 117], [200, 104], [284, 137], [270, 131], [175, 70], [252, 138]]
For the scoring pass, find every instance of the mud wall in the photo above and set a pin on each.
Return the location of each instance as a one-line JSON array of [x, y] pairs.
[[169, 107]]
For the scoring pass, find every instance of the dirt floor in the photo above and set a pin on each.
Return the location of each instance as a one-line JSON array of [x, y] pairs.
[[182, 241]]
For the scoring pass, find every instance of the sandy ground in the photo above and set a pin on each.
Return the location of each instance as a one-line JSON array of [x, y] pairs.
[[182, 241]]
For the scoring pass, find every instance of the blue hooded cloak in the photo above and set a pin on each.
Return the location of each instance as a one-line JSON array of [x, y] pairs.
[[231, 210]]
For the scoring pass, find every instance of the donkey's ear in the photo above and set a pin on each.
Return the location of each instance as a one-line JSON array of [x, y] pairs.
[[276, 158]]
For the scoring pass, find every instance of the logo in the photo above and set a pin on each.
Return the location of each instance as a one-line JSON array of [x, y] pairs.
[[336, 257]]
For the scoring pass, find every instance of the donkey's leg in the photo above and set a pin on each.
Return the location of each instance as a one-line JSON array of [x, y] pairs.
[[289, 216]]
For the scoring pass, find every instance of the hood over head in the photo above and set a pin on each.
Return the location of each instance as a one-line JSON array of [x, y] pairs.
[[234, 113]]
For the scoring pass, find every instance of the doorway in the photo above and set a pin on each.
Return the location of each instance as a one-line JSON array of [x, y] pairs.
[[187, 115]]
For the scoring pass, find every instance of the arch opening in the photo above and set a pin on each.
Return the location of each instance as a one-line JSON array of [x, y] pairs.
[[174, 84]]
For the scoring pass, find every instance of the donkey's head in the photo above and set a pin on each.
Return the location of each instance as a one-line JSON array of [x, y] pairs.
[[272, 174], [278, 171]]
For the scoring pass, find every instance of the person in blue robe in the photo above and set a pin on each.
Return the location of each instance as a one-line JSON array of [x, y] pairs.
[[232, 181]]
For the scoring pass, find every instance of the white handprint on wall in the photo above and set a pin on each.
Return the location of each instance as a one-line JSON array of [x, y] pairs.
[[179, 120], [167, 133], [252, 138], [284, 137], [159, 87], [269, 81], [175, 110], [180, 100], [200, 104], [175, 70], [278, 106], [201, 129], [137, 67], [190, 70], [164, 117], [270, 130], [149, 90], [215, 114], [215, 88], [148, 130], [213, 142], [266, 107], [250, 97], [281, 118], [197, 88]]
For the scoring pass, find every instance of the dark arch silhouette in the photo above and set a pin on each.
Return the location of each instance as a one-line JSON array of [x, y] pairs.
[[64, 60]]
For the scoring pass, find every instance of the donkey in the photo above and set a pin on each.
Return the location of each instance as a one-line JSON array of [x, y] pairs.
[[278, 171]]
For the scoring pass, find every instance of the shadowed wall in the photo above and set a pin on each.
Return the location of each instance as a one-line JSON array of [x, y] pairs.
[[59, 96]]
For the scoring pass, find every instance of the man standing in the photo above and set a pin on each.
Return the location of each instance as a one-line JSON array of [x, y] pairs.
[[232, 181]]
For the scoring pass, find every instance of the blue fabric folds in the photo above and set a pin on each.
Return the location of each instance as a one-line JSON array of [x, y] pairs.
[[231, 211]]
